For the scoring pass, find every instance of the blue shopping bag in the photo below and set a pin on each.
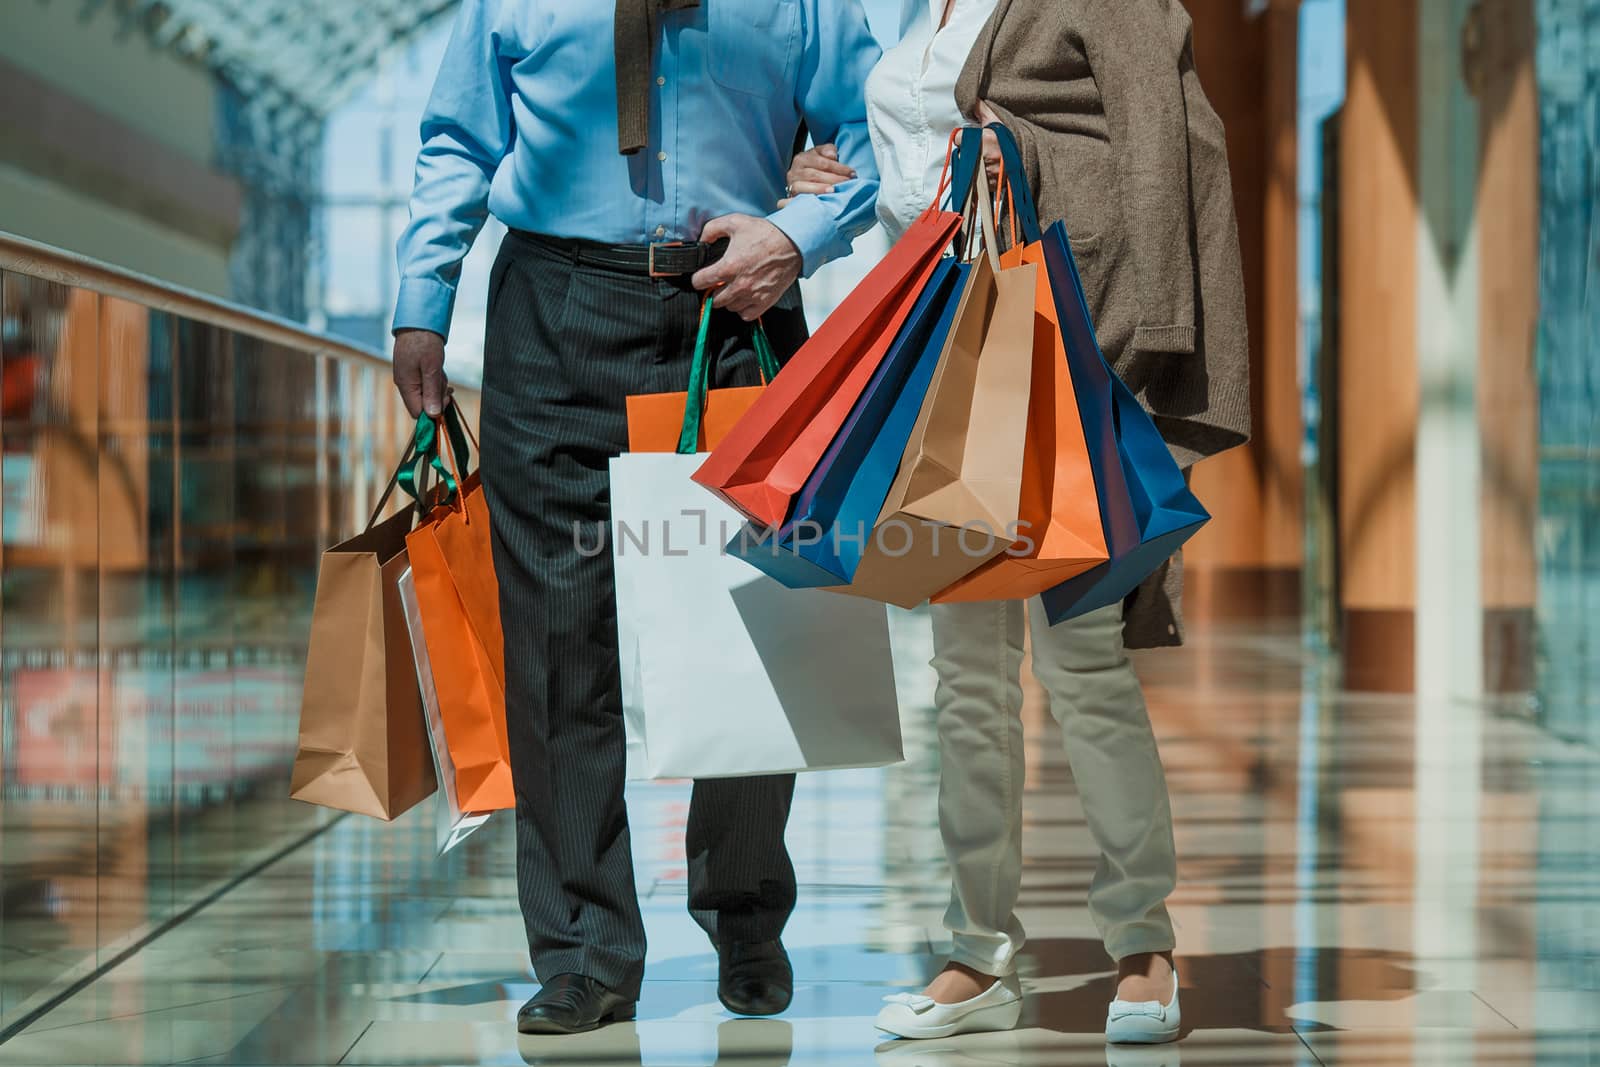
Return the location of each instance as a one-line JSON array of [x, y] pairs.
[[822, 541], [1145, 502]]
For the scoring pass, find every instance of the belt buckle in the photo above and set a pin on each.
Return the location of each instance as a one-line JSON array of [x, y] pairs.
[[664, 244]]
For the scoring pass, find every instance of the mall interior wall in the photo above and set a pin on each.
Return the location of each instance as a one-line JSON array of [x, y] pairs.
[[1248, 563], [107, 145]]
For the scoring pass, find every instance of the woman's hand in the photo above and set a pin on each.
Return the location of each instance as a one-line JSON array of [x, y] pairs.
[[816, 171], [991, 144]]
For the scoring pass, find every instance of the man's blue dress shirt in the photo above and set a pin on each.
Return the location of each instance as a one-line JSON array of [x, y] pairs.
[[523, 123]]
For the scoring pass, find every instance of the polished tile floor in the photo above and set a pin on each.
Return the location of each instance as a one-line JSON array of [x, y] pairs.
[[1364, 881]]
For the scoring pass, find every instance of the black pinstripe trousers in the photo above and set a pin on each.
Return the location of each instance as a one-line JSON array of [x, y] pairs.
[[565, 346]]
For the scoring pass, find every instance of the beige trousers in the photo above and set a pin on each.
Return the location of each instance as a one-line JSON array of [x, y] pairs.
[[1096, 699]]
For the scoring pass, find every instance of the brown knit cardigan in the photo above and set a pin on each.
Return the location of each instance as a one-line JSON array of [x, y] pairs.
[[1121, 143]]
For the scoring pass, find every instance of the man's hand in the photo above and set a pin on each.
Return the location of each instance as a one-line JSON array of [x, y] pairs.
[[760, 265], [816, 170], [419, 371]]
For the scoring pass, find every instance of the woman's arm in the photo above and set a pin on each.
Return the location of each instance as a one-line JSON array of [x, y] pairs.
[[814, 172], [817, 170]]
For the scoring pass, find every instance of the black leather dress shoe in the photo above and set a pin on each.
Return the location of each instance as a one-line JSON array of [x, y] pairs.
[[573, 1004], [754, 977]]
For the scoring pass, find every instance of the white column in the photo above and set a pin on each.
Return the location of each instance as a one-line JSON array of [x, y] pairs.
[[1448, 746], [1449, 598]]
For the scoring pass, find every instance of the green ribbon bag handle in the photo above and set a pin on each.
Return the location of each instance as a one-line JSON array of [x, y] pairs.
[[425, 443], [694, 407], [423, 453]]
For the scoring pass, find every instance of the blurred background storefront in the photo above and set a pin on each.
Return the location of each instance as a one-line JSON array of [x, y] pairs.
[[198, 206]]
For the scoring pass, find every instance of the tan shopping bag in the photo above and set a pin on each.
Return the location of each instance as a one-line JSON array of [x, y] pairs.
[[956, 501], [363, 742]]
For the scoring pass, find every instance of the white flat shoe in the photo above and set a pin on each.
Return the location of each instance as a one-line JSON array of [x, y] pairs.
[[918, 1017], [1144, 1022]]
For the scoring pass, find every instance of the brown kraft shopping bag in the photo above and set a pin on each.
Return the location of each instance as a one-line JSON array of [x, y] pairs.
[[956, 501], [363, 742]]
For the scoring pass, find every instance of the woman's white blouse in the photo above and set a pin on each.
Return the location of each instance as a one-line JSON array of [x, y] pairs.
[[911, 105]]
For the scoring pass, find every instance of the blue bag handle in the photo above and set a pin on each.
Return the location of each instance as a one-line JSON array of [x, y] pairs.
[[967, 161], [1022, 205]]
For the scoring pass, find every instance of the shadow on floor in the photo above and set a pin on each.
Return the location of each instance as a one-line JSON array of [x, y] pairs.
[[1229, 991]]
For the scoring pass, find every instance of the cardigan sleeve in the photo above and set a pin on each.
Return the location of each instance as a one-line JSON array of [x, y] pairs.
[[1134, 59]]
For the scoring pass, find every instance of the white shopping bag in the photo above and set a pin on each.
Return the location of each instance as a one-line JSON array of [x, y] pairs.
[[452, 825], [725, 673]]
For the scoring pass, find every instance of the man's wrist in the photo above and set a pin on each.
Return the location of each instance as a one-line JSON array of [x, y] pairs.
[[788, 244], [424, 304], [810, 226]]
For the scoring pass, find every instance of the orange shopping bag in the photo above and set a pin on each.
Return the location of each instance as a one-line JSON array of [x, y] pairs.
[[656, 421], [453, 568]]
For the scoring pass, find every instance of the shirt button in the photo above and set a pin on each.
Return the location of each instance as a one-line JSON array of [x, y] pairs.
[[662, 156], [661, 81], [661, 231]]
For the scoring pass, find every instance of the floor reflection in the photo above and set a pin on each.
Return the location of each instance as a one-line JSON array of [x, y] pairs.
[[1354, 891]]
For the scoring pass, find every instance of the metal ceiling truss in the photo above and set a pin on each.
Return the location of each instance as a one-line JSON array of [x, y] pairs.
[[307, 53], [282, 65]]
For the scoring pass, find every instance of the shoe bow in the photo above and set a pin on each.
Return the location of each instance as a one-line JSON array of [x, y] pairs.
[[915, 1001], [1124, 1009]]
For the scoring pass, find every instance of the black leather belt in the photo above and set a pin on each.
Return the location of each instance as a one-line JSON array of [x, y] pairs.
[[664, 259]]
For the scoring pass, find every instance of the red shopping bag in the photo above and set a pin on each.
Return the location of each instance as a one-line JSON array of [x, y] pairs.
[[767, 456]]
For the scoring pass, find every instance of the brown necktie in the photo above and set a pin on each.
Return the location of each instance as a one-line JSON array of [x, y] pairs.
[[636, 61]]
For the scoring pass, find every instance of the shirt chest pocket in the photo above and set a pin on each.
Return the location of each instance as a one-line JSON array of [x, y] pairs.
[[753, 45]]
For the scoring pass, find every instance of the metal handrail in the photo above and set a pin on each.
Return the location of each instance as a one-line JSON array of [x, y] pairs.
[[51, 264]]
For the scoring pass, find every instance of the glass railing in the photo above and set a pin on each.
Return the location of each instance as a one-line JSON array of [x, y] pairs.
[[172, 467]]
